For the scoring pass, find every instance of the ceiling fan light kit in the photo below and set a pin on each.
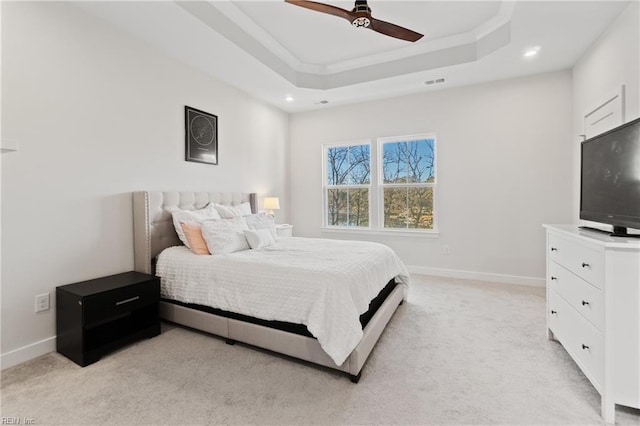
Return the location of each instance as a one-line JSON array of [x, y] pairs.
[[362, 13], [360, 17]]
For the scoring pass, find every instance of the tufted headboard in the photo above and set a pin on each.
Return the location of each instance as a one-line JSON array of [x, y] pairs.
[[153, 229]]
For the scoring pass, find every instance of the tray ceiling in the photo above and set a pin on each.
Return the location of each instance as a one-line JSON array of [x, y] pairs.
[[272, 49]]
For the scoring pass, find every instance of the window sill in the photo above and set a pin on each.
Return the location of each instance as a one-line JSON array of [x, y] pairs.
[[380, 232]]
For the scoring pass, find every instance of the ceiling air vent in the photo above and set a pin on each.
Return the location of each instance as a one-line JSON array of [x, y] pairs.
[[436, 81], [323, 102]]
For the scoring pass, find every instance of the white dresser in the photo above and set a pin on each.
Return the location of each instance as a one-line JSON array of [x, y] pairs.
[[593, 309]]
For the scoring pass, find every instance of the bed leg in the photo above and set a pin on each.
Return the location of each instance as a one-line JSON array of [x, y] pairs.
[[230, 341], [355, 379]]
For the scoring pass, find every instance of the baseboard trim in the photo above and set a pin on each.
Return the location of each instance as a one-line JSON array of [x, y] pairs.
[[474, 275], [29, 352]]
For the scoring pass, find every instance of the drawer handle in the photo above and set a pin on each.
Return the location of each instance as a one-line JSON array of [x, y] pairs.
[[585, 346], [553, 312], [585, 265], [554, 249], [554, 278], [122, 302], [584, 303]]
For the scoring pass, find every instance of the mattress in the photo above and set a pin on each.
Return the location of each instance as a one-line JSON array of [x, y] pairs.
[[324, 285], [299, 329]]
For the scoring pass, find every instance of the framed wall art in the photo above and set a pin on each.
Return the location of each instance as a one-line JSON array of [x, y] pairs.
[[201, 136]]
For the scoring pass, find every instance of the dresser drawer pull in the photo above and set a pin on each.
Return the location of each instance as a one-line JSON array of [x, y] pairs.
[[122, 302], [585, 265], [584, 302], [554, 249], [585, 346], [554, 278], [553, 312]]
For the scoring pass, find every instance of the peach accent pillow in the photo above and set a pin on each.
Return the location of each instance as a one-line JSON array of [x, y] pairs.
[[193, 234]]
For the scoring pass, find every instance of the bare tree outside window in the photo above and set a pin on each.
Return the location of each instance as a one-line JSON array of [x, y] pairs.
[[408, 169], [348, 180]]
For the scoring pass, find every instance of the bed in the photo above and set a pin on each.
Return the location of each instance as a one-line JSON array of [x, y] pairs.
[[154, 232]]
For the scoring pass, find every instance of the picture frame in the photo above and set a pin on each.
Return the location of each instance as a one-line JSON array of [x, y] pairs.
[[201, 136]]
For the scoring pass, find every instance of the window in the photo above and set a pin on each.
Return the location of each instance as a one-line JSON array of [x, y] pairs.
[[398, 193], [407, 182], [348, 180]]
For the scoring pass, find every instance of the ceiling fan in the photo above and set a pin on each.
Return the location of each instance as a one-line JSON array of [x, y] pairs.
[[360, 17]]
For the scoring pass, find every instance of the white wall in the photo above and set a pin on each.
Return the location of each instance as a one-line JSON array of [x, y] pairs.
[[98, 115], [504, 169], [613, 60]]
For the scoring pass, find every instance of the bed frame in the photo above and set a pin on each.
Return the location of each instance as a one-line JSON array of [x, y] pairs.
[[153, 231]]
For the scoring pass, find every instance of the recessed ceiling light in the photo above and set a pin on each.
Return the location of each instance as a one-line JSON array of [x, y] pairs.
[[289, 98], [531, 52]]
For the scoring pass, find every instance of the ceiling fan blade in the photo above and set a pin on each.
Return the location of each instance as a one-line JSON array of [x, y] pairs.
[[324, 8], [393, 30]]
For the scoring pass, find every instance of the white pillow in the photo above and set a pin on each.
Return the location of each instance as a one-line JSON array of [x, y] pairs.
[[198, 216], [227, 212], [225, 235], [262, 221], [259, 238]]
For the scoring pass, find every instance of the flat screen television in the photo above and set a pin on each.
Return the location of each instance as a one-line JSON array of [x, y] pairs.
[[610, 178]]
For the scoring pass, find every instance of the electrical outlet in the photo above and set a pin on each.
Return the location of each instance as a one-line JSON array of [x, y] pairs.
[[446, 249], [42, 302]]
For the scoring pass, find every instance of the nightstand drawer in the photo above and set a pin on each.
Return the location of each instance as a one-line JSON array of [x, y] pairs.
[[109, 304], [284, 230]]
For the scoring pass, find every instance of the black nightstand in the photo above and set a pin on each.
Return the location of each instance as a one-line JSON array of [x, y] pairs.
[[97, 316]]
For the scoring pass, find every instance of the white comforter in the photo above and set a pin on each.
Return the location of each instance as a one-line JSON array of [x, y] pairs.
[[323, 284]]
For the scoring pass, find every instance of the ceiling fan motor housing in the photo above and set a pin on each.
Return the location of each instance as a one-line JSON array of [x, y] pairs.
[[362, 14]]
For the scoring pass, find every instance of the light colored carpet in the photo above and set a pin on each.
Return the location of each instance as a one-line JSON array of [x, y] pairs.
[[456, 352]]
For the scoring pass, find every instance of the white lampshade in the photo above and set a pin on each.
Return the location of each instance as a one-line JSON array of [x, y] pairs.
[[271, 204]]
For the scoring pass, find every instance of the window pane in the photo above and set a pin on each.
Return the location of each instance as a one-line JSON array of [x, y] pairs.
[[337, 207], [420, 208], [408, 208], [360, 165], [337, 165], [349, 165], [420, 161], [394, 162], [358, 207], [395, 207]]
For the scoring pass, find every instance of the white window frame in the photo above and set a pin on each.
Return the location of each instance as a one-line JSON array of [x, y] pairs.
[[376, 187], [326, 187], [381, 185]]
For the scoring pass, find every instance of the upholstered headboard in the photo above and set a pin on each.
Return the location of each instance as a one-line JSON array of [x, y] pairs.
[[153, 229]]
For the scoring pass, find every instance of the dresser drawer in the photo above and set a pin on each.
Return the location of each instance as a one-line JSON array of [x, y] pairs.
[[589, 350], [584, 260], [582, 296], [109, 304], [555, 313], [581, 340]]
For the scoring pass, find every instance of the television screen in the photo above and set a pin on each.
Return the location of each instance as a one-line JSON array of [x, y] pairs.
[[610, 177]]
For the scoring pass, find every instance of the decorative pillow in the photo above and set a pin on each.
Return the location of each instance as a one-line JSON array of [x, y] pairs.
[[259, 238], [180, 215], [193, 234], [227, 212], [225, 236], [262, 221]]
